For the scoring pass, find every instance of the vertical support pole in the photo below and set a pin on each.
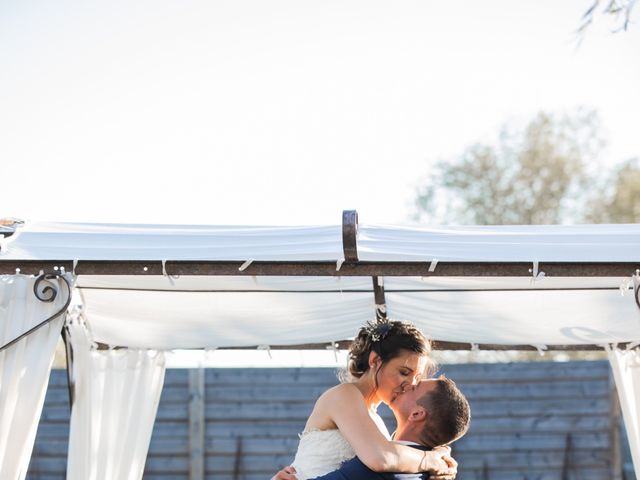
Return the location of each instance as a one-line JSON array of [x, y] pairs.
[[614, 431], [485, 470], [378, 294], [196, 423], [566, 462], [237, 459], [68, 350]]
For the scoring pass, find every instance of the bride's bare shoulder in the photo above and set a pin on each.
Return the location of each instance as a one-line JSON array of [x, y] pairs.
[[336, 399], [342, 392]]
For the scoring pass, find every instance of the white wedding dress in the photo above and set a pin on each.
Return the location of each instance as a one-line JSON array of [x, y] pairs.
[[320, 452]]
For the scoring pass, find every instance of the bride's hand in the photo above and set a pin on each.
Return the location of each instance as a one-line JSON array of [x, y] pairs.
[[440, 464], [287, 473]]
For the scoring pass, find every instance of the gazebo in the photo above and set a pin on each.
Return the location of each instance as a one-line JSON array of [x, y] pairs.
[[121, 295]]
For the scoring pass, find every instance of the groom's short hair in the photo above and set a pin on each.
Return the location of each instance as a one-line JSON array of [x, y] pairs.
[[448, 413]]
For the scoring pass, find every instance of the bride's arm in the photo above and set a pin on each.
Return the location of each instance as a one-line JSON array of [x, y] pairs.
[[346, 408]]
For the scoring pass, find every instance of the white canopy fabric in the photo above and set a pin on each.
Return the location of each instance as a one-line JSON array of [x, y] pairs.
[[24, 367], [528, 243], [504, 243], [116, 399], [626, 372], [86, 241], [199, 312]]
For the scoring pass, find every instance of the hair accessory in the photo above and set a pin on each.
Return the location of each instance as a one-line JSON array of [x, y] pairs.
[[378, 329]]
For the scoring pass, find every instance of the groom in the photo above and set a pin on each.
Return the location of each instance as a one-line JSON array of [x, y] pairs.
[[431, 414]]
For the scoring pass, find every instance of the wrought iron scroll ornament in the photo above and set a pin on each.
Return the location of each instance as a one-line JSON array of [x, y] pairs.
[[45, 291]]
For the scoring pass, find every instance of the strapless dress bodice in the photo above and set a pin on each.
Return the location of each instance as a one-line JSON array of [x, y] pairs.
[[320, 452]]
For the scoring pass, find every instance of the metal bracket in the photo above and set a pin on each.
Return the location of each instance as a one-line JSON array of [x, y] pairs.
[[48, 293], [349, 234]]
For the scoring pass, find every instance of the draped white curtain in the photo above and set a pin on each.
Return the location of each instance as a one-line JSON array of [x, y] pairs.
[[626, 372], [24, 367], [116, 399]]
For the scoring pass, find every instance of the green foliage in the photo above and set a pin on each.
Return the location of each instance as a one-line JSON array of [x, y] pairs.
[[619, 200], [540, 174]]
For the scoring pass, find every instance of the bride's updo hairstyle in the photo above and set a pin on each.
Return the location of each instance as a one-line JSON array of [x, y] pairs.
[[388, 338]]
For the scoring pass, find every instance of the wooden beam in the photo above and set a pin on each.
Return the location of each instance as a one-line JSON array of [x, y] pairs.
[[440, 345], [322, 268], [436, 345]]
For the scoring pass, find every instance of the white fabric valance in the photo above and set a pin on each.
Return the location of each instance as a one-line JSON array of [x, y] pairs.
[[92, 241], [116, 396], [24, 367], [626, 372], [504, 243], [199, 312], [500, 243]]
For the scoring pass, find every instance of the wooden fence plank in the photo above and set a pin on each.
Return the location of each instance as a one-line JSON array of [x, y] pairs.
[[497, 408], [306, 393], [196, 424], [615, 449], [476, 373]]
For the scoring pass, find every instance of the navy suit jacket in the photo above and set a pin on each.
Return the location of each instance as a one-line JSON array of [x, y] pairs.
[[354, 469]]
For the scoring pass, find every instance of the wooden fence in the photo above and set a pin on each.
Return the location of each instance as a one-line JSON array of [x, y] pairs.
[[533, 421]]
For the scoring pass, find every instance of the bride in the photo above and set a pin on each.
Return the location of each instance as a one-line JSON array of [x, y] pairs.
[[384, 359]]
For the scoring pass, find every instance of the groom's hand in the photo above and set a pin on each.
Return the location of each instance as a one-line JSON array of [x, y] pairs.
[[443, 472], [287, 473]]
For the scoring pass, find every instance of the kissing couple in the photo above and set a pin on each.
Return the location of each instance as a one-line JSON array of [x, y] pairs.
[[345, 438]]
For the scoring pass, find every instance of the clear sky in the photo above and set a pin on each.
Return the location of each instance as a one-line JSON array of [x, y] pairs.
[[281, 111]]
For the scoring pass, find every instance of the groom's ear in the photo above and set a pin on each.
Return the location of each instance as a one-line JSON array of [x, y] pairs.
[[418, 414]]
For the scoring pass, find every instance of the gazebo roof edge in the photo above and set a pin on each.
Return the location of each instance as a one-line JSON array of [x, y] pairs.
[[319, 268]]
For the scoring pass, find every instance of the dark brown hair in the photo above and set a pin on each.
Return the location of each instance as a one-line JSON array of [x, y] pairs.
[[388, 338], [448, 412]]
